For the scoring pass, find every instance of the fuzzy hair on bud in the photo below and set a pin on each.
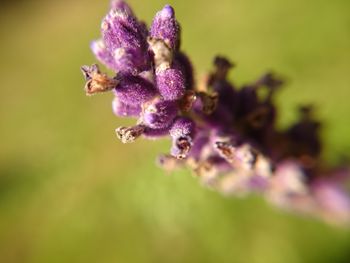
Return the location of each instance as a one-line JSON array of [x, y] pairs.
[[165, 26]]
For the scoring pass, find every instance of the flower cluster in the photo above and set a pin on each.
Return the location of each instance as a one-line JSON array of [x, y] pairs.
[[226, 134]]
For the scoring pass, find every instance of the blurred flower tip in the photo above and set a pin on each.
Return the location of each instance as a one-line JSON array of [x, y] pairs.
[[167, 11]]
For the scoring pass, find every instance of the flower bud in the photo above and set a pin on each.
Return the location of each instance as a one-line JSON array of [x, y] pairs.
[[183, 63], [130, 60], [134, 90], [159, 114], [171, 84], [165, 27], [103, 54], [124, 110], [122, 6], [120, 29]]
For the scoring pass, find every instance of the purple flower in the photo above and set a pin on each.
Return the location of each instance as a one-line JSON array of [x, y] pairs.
[[226, 134], [170, 83], [125, 39], [120, 29], [159, 114], [165, 27], [134, 90], [130, 60]]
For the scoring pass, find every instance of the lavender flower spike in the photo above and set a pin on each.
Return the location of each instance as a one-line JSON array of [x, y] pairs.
[[165, 27], [227, 135]]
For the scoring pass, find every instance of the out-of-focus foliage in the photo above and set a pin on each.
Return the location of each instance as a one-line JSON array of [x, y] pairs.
[[70, 192]]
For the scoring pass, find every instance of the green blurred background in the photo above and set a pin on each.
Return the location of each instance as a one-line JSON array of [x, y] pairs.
[[71, 192]]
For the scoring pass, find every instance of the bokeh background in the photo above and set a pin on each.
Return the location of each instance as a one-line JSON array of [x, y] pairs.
[[71, 192]]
